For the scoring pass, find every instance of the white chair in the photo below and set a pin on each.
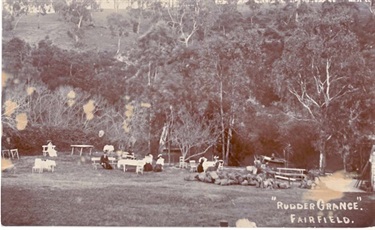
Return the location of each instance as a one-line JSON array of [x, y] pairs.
[[45, 149], [14, 153], [221, 165], [95, 162], [193, 166], [5, 152], [182, 162], [38, 166], [140, 167], [112, 161], [50, 165]]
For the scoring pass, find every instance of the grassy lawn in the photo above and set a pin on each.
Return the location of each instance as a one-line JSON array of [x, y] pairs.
[[78, 195]]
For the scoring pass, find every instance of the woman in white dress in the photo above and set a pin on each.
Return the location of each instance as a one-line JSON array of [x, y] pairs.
[[51, 149]]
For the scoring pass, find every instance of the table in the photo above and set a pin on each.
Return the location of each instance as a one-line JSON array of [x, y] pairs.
[[129, 162], [81, 147]]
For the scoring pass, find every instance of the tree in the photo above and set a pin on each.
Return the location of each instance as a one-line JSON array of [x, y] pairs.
[[118, 25], [41, 7], [77, 12], [191, 131], [321, 66], [17, 9]]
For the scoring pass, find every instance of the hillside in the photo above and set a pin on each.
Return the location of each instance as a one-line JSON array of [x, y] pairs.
[[97, 37]]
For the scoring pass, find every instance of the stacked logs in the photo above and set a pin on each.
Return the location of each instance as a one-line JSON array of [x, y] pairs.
[[224, 178]]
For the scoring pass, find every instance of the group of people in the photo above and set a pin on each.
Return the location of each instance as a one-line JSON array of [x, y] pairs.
[[203, 164], [149, 163], [148, 159], [105, 163]]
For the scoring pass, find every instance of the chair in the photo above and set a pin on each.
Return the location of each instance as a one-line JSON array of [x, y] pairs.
[[193, 166], [14, 153], [112, 162], [38, 166], [221, 165], [51, 165], [45, 149], [140, 167], [95, 162], [182, 162], [5, 152]]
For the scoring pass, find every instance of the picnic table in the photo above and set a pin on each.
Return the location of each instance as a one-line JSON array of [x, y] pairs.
[[129, 162], [81, 147]]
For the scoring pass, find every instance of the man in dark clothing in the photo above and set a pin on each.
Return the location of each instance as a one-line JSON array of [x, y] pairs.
[[104, 161]]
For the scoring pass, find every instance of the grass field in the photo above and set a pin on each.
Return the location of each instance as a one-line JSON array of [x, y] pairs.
[[78, 195]]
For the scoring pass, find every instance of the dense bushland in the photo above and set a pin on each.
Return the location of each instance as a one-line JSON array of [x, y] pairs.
[[291, 79]]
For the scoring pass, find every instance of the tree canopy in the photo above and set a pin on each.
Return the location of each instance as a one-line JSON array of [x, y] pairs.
[[230, 80]]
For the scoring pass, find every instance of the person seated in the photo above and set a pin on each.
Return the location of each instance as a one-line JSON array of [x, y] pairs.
[[104, 161], [148, 162], [159, 164], [51, 149]]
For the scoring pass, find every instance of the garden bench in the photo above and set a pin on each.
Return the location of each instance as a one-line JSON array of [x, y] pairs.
[[290, 174]]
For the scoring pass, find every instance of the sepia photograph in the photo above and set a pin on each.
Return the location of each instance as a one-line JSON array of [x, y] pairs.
[[188, 113]]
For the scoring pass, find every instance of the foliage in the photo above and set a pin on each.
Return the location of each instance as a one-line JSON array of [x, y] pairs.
[[261, 75]]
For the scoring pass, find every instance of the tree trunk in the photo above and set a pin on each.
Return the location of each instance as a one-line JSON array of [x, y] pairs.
[[229, 138], [322, 157], [80, 21], [118, 45], [222, 122], [18, 20]]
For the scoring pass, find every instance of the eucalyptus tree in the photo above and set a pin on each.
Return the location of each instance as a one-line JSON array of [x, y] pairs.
[[17, 8], [320, 69], [119, 26], [76, 12], [191, 131], [226, 63]]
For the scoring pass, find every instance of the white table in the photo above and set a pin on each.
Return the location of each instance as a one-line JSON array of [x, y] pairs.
[[81, 147], [129, 162]]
